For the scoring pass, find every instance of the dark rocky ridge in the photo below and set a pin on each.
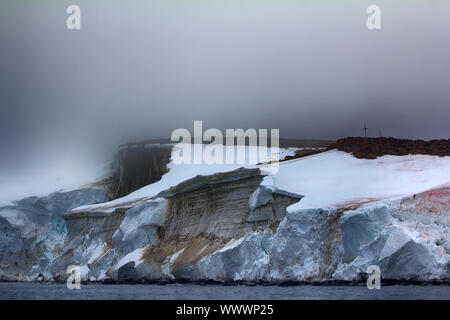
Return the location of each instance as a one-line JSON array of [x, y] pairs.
[[218, 206], [371, 148], [206, 212], [283, 143], [139, 165]]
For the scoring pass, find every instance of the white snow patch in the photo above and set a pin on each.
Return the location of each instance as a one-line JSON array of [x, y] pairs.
[[328, 179], [233, 243], [135, 256], [335, 177], [168, 262], [177, 174]]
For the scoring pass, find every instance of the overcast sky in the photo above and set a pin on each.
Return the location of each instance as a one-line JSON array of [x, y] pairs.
[[140, 69]]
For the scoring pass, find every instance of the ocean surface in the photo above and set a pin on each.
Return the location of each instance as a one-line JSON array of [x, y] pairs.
[[207, 292]]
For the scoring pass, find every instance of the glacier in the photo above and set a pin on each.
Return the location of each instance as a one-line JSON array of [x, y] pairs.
[[235, 224]]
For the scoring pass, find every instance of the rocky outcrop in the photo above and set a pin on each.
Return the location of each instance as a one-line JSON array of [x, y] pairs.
[[205, 213], [225, 205], [371, 148], [139, 165]]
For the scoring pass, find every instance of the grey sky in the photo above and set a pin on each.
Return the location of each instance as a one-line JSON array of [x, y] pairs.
[[143, 68]]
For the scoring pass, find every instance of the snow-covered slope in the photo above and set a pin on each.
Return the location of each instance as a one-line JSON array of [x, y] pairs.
[[328, 179], [335, 178], [179, 173]]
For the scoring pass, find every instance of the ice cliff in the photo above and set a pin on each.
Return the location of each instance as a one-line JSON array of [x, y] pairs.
[[237, 225]]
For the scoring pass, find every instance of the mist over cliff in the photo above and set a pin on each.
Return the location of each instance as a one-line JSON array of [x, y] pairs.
[[141, 70]]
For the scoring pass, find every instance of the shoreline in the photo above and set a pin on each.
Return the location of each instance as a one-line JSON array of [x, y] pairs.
[[325, 283]]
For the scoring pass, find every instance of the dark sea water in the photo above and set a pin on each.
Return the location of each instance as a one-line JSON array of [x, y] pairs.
[[206, 292]]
